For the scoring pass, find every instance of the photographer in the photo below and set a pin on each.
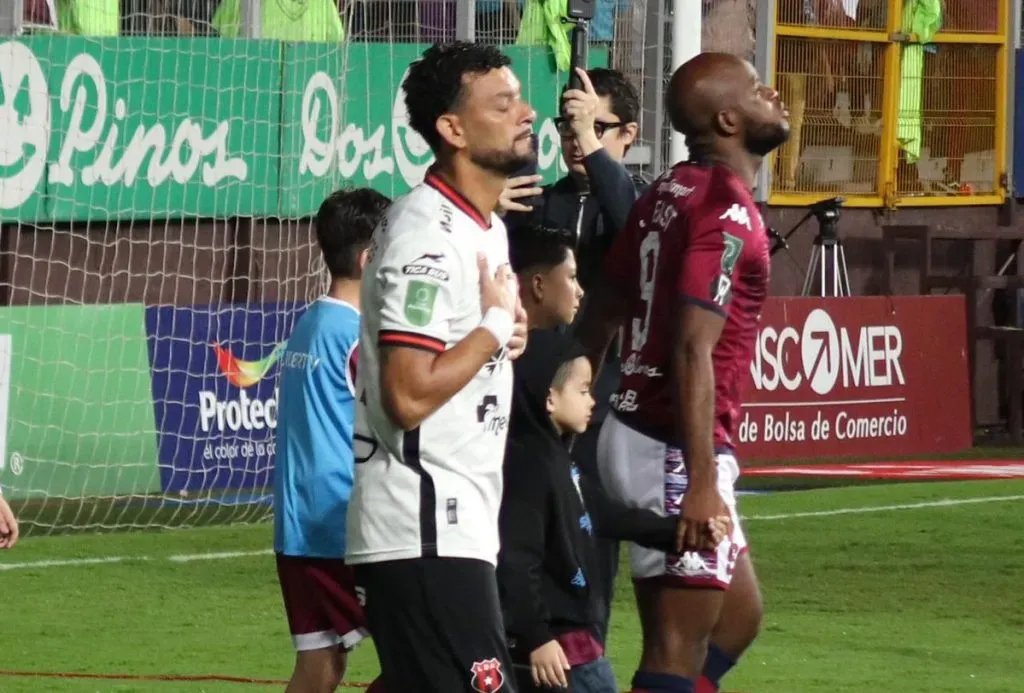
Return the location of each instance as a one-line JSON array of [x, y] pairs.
[[598, 125]]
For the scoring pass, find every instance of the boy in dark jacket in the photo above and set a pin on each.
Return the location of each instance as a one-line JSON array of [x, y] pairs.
[[549, 516]]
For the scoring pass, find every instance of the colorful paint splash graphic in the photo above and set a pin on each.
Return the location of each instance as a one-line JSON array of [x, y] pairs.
[[245, 373]]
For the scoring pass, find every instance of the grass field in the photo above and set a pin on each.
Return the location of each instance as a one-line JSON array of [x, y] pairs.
[[905, 587]]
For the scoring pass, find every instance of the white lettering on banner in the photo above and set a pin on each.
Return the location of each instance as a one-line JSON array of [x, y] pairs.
[[794, 426], [868, 356], [850, 427], [26, 135], [348, 148], [245, 413], [176, 157], [225, 452]]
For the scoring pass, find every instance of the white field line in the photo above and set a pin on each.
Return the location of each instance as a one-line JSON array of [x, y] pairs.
[[944, 503], [180, 558], [190, 557]]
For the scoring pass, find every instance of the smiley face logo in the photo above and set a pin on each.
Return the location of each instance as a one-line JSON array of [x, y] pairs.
[[24, 122]]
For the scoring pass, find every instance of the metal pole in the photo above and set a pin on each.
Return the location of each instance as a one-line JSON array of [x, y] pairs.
[[764, 61], [251, 19], [465, 20], [687, 20], [1011, 101], [656, 78], [11, 17]]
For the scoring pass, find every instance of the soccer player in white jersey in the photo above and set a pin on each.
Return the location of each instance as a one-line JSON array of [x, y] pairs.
[[314, 466], [441, 323]]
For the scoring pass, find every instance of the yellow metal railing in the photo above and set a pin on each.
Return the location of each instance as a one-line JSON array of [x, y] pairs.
[[882, 120]]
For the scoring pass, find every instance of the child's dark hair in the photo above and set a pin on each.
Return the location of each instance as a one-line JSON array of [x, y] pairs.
[[344, 225], [539, 247], [562, 374], [435, 83]]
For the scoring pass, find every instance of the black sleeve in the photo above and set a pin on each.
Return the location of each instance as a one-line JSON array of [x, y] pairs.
[[522, 526], [612, 186], [613, 520]]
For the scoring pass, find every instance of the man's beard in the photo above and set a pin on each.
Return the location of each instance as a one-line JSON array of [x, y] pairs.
[[504, 162], [763, 139]]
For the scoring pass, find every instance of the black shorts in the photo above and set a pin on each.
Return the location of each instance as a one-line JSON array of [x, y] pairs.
[[436, 624]]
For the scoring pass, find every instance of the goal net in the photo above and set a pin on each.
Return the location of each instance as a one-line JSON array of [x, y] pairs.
[[156, 185]]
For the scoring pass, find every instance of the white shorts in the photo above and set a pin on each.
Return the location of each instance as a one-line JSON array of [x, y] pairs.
[[642, 472]]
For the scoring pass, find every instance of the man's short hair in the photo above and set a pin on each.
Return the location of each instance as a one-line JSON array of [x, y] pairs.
[[436, 82], [622, 97], [539, 247], [344, 225]]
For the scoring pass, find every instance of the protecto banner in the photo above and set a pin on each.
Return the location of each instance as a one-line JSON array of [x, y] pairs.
[[858, 377], [215, 392]]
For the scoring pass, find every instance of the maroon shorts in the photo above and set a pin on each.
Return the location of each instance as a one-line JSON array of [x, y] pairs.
[[321, 602]]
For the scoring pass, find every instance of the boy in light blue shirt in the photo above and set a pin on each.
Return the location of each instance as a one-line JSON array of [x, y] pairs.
[[314, 466]]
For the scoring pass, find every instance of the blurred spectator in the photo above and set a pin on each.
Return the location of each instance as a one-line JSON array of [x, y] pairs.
[[89, 17], [286, 20], [167, 17], [542, 24]]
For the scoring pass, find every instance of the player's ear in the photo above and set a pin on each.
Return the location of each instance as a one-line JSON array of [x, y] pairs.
[[550, 403], [628, 134], [364, 259], [537, 287], [727, 122], [451, 130]]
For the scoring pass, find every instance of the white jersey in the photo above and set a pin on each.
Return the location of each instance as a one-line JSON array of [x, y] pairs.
[[434, 490]]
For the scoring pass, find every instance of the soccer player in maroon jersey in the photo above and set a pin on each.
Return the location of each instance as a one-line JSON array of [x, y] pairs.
[[686, 281]]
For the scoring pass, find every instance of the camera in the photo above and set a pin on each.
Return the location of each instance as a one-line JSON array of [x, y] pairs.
[[580, 9]]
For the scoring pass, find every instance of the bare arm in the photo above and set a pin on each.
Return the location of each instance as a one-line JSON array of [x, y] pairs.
[[422, 281], [599, 325], [694, 390], [415, 382]]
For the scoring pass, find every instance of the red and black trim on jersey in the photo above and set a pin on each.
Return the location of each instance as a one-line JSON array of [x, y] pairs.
[[458, 199], [428, 493], [412, 340]]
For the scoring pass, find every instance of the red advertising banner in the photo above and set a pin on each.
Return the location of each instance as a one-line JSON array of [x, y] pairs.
[[874, 376]]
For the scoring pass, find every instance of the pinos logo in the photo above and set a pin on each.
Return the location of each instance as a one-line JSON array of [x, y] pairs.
[[24, 122], [822, 354], [245, 413]]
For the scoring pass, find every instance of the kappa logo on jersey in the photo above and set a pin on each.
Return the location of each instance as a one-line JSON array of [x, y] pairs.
[[737, 214], [485, 414], [419, 302], [487, 676]]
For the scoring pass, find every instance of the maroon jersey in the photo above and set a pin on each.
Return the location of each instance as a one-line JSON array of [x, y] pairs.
[[695, 236]]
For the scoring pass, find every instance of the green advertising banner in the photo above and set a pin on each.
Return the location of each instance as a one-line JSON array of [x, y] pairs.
[[345, 121], [78, 419], [138, 128], [148, 128]]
